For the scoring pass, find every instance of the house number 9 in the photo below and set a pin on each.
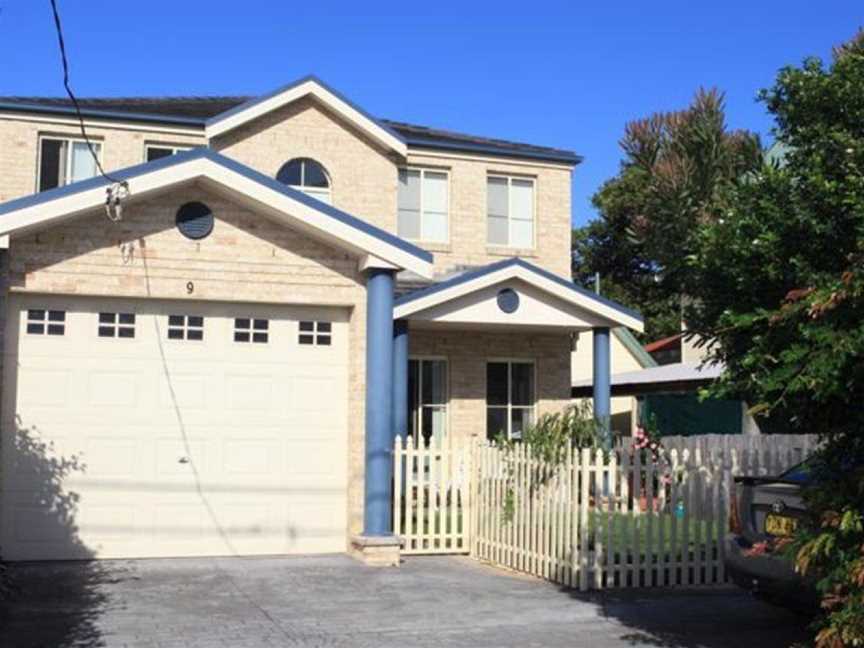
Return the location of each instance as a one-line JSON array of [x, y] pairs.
[[190, 288]]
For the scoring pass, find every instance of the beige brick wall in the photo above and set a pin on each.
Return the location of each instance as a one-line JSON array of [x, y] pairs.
[[247, 258], [362, 176], [467, 353], [121, 147], [467, 245]]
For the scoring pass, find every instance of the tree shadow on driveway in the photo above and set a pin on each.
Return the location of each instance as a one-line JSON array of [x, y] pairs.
[[710, 617]]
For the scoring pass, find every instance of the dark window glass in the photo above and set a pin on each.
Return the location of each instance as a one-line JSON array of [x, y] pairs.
[[259, 337], [434, 382], [158, 152], [522, 385], [307, 339], [313, 175], [194, 334], [127, 318], [496, 422], [324, 340], [241, 322], [106, 331], [307, 326], [175, 320], [56, 316], [196, 321], [291, 173], [51, 159], [413, 395], [324, 327], [241, 336], [56, 329], [126, 332], [262, 324], [35, 314], [496, 383], [175, 334], [107, 318], [36, 329]]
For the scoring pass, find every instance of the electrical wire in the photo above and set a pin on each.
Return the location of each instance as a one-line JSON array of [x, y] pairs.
[[119, 189]]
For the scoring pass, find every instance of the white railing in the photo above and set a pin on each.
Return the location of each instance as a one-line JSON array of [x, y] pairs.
[[590, 521], [431, 510]]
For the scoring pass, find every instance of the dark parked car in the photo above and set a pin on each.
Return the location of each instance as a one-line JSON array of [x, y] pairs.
[[765, 510]]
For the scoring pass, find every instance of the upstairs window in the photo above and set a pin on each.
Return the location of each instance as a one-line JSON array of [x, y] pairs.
[[308, 176], [423, 205], [65, 160], [510, 211], [159, 151]]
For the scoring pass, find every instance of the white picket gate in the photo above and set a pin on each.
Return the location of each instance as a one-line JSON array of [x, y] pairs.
[[590, 521]]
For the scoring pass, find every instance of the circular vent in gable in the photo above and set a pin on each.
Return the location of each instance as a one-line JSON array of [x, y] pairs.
[[195, 220]]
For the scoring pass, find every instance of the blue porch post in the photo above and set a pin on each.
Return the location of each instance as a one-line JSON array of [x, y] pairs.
[[400, 378], [379, 403], [602, 381]]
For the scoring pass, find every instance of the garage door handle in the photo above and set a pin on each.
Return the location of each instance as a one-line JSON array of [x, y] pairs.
[[183, 460]]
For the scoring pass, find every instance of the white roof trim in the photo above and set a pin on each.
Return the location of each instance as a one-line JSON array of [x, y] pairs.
[[615, 316], [300, 212], [245, 113]]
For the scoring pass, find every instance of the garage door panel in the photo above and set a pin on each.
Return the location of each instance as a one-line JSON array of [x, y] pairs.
[[156, 447]]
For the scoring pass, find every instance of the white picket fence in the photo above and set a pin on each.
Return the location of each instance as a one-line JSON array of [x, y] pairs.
[[591, 520]]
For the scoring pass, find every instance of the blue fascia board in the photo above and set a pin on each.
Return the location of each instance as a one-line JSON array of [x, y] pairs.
[[568, 157], [203, 152], [290, 86], [477, 273], [103, 114]]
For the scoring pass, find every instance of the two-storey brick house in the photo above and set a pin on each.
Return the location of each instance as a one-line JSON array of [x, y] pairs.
[[220, 364]]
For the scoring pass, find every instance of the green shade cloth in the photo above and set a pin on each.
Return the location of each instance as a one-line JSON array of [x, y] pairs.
[[685, 415]]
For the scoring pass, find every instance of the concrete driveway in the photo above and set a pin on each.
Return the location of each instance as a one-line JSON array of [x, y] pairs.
[[335, 601]]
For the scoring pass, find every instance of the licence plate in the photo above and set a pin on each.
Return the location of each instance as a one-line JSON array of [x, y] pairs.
[[780, 525]]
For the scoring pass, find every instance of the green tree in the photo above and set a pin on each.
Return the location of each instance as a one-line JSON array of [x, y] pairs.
[[673, 178], [778, 270]]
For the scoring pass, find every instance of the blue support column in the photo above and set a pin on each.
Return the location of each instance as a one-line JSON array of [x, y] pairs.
[[602, 382], [379, 403], [400, 378]]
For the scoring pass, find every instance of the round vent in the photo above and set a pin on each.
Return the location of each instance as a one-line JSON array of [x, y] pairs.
[[195, 220], [508, 300]]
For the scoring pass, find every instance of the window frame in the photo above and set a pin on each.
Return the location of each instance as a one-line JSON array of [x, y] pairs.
[[116, 325], [185, 327], [415, 418], [175, 148], [423, 170], [316, 333], [312, 192], [69, 139], [252, 330], [510, 178], [46, 322], [509, 407]]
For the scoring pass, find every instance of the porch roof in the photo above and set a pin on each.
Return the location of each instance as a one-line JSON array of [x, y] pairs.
[[511, 293]]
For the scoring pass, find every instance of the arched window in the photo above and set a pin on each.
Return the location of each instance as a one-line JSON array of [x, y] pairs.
[[308, 176]]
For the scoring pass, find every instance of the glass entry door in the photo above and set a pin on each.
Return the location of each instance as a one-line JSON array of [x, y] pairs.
[[427, 401]]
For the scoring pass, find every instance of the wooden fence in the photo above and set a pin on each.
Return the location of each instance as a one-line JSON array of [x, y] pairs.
[[589, 521], [431, 509]]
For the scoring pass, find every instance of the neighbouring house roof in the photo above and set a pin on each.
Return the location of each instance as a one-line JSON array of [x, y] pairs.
[[196, 112], [261, 192], [670, 342], [660, 379], [626, 338], [476, 279]]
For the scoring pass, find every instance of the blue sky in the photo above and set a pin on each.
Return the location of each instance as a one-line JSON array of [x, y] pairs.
[[563, 74]]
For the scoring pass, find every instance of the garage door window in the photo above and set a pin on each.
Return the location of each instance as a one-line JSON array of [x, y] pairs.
[[41, 321], [318, 333], [119, 325], [185, 327], [247, 329]]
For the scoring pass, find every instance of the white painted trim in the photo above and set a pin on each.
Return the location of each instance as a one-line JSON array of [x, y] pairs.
[[615, 316], [503, 159], [301, 216], [309, 87], [4, 242], [106, 123], [369, 262]]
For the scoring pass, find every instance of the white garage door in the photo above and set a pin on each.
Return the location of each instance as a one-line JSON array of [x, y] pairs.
[[157, 428]]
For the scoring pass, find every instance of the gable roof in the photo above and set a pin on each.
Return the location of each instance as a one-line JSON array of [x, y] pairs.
[[264, 193], [626, 338], [516, 268], [194, 112], [309, 86]]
